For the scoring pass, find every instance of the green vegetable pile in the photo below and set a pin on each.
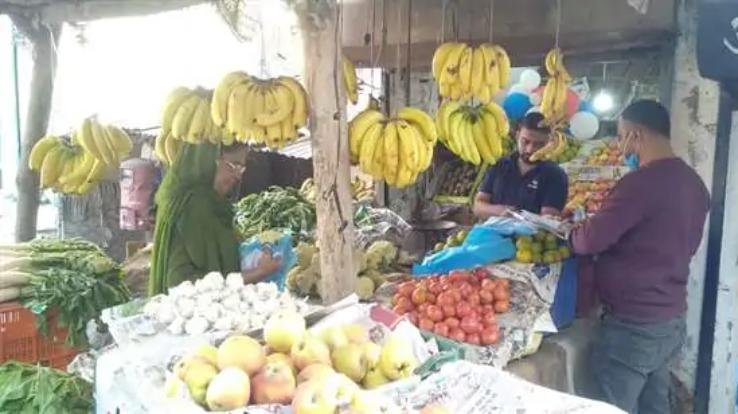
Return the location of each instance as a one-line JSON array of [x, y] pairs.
[[34, 389], [276, 208], [71, 277]]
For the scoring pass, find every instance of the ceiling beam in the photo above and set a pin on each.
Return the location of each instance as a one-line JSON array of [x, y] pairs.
[[59, 11]]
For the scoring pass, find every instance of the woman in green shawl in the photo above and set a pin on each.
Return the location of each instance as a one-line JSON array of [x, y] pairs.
[[194, 231]]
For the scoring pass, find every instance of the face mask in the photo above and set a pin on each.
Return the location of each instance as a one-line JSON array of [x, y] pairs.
[[632, 161]]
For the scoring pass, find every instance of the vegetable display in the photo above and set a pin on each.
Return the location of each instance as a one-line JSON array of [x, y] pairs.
[[71, 277], [275, 208], [36, 389]]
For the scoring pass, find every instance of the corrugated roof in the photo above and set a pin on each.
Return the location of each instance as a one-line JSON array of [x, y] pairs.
[[302, 148]]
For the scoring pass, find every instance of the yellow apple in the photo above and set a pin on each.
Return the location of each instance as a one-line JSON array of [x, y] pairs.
[[280, 357], [314, 371], [334, 337], [374, 378], [283, 329], [229, 390], [356, 333], [310, 398], [350, 360], [371, 352], [397, 359], [242, 352], [273, 384], [310, 350]]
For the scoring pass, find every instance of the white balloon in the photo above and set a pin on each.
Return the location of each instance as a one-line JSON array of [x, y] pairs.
[[517, 88], [530, 79], [584, 125], [535, 98]]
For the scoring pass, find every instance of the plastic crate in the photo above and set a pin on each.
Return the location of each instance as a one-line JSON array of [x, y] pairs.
[[21, 341]]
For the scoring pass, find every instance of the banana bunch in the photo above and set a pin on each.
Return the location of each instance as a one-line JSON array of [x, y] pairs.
[[166, 148], [350, 82], [65, 168], [464, 72], [107, 144], [361, 190], [186, 117], [553, 101], [553, 149], [474, 133], [396, 150], [261, 111]]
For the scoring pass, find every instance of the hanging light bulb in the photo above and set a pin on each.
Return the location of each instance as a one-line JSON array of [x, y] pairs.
[[603, 102]]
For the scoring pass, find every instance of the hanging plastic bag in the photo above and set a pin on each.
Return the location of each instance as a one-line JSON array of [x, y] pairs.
[[279, 245], [485, 244]]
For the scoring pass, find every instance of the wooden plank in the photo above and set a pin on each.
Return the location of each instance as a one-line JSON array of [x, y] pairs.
[[331, 167], [53, 12]]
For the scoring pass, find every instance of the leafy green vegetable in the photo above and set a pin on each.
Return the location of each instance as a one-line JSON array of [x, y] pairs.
[[276, 208], [36, 389]]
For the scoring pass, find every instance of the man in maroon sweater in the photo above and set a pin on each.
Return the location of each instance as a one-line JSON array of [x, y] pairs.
[[642, 241]]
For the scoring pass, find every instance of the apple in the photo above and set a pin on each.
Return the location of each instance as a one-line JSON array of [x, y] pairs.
[[374, 378], [397, 359], [340, 387], [334, 337], [229, 390], [314, 371], [310, 350], [273, 384], [434, 409], [311, 398], [372, 353], [350, 360], [282, 329], [356, 333], [283, 358], [242, 352]]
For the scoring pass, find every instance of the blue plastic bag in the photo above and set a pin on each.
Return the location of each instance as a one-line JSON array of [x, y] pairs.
[[251, 250], [485, 244]]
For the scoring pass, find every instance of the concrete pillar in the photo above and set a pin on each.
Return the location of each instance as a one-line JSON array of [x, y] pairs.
[[694, 108]]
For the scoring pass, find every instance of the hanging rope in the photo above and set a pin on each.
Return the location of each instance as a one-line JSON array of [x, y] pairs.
[[408, 48], [371, 47], [558, 23], [444, 5], [490, 36]]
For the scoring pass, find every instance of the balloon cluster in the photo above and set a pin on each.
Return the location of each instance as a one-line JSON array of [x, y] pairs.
[[525, 96]]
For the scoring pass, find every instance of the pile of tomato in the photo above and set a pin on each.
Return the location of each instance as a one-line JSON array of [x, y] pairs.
[[462, 305]]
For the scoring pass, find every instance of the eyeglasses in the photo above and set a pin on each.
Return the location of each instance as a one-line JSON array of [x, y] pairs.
[[235, 167]]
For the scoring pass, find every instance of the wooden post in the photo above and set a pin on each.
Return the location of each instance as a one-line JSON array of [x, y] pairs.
[[43, 39], [321, 36]]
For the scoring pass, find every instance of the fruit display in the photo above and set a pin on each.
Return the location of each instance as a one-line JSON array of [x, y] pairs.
[[396, 150], [75, 166], [458, 180], [461, 306], [216, 303], [260, 111], [541, 248], [186, 117], [587, 195], [361, 190], [474, 133], [371, 267], [453, 240], [553, 149], [350, 81], [553, 100], [313, 372], [608, 154], [166, 148], [464, 72], [570, 151], [277, 208]]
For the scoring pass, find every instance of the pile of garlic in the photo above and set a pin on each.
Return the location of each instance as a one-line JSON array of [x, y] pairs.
[[214, 303]]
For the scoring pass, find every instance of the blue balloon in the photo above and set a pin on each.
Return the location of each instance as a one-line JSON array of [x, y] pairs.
[[585, 106], [516, 105]]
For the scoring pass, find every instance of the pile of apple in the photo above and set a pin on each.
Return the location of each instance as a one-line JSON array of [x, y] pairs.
[[461, 306], [587, 195], [608, 154], [314, 374]]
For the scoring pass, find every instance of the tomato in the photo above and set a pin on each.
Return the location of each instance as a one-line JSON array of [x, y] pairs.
[[413, 317], [473, 338], [474, 314], [420, 295], [406, 289], [455, 294], [490, 336], [435, 288], [489, 319], [449, 310], [470, 325], [431, 298], [457, 334], [452, 322], [422, 308], [489, 284], [457, 276], [486, 297], [440, 328], [488, 309], [465, 289], [396, 298], [502, 306], [504, 282], [501, 293], [400, 310], [434, 313], [446, 286], [426, 324], [463, 309], [445, 299], [473, 299]]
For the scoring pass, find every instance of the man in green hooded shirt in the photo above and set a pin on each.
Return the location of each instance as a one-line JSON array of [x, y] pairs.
[[194, 231]]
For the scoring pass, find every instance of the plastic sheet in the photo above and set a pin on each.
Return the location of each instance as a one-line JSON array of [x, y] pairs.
[[374, 224]]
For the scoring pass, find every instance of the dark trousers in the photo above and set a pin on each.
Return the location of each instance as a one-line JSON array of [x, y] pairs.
[[630, 363]]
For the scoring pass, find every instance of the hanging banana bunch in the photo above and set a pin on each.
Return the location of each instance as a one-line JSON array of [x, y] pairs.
[[463, 72], [474, 133], [186, 117], [553, 101], [361, 190], [74, 167], [350, 81], [396, 150], [260, 111]]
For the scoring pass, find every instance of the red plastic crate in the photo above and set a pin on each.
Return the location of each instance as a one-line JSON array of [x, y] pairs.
[[21, 341]]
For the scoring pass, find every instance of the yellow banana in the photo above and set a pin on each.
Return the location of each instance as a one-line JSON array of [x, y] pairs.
[[278, 103], [289, 133], [198, 123], [159, 147], [121, 140], [439, 58], [421, 120], [108, 153], [477, 71], [86, 139], [172, 104], [501, 121], [465, 70], [492, 69], [503, 64], [409, 147], [97, 173], [491, 126], [450, 71], [171, 149], [221, 95], [481, 142], [484, 95], [456, 92], [468, 141], [371, 140], [428, 155], [81, 163], [39, 151], [349, 78], [391, 142], [358, 128], [300, 98], [442, 117], [273, 136], [454, 138], [444, 89], [238, 119], [51, 167], [183, 117]]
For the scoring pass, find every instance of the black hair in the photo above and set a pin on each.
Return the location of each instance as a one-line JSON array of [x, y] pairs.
[[650, 114], [535, 121]]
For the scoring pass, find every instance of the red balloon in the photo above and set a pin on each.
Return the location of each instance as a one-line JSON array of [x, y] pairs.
[[572, 103]]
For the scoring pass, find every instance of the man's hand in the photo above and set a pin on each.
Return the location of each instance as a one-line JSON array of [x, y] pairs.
[[484, 209]]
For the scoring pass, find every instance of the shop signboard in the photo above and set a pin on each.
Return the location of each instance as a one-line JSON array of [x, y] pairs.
[[717, 39]]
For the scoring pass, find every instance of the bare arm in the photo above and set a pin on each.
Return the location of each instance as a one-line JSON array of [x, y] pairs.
[[484, 209], [550, 211], [267, 265]]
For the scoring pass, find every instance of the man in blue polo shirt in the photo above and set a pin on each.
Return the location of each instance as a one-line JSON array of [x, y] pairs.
[[517, 183]]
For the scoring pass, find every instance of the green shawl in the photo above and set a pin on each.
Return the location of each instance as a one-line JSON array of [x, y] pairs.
[[194, 225]]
